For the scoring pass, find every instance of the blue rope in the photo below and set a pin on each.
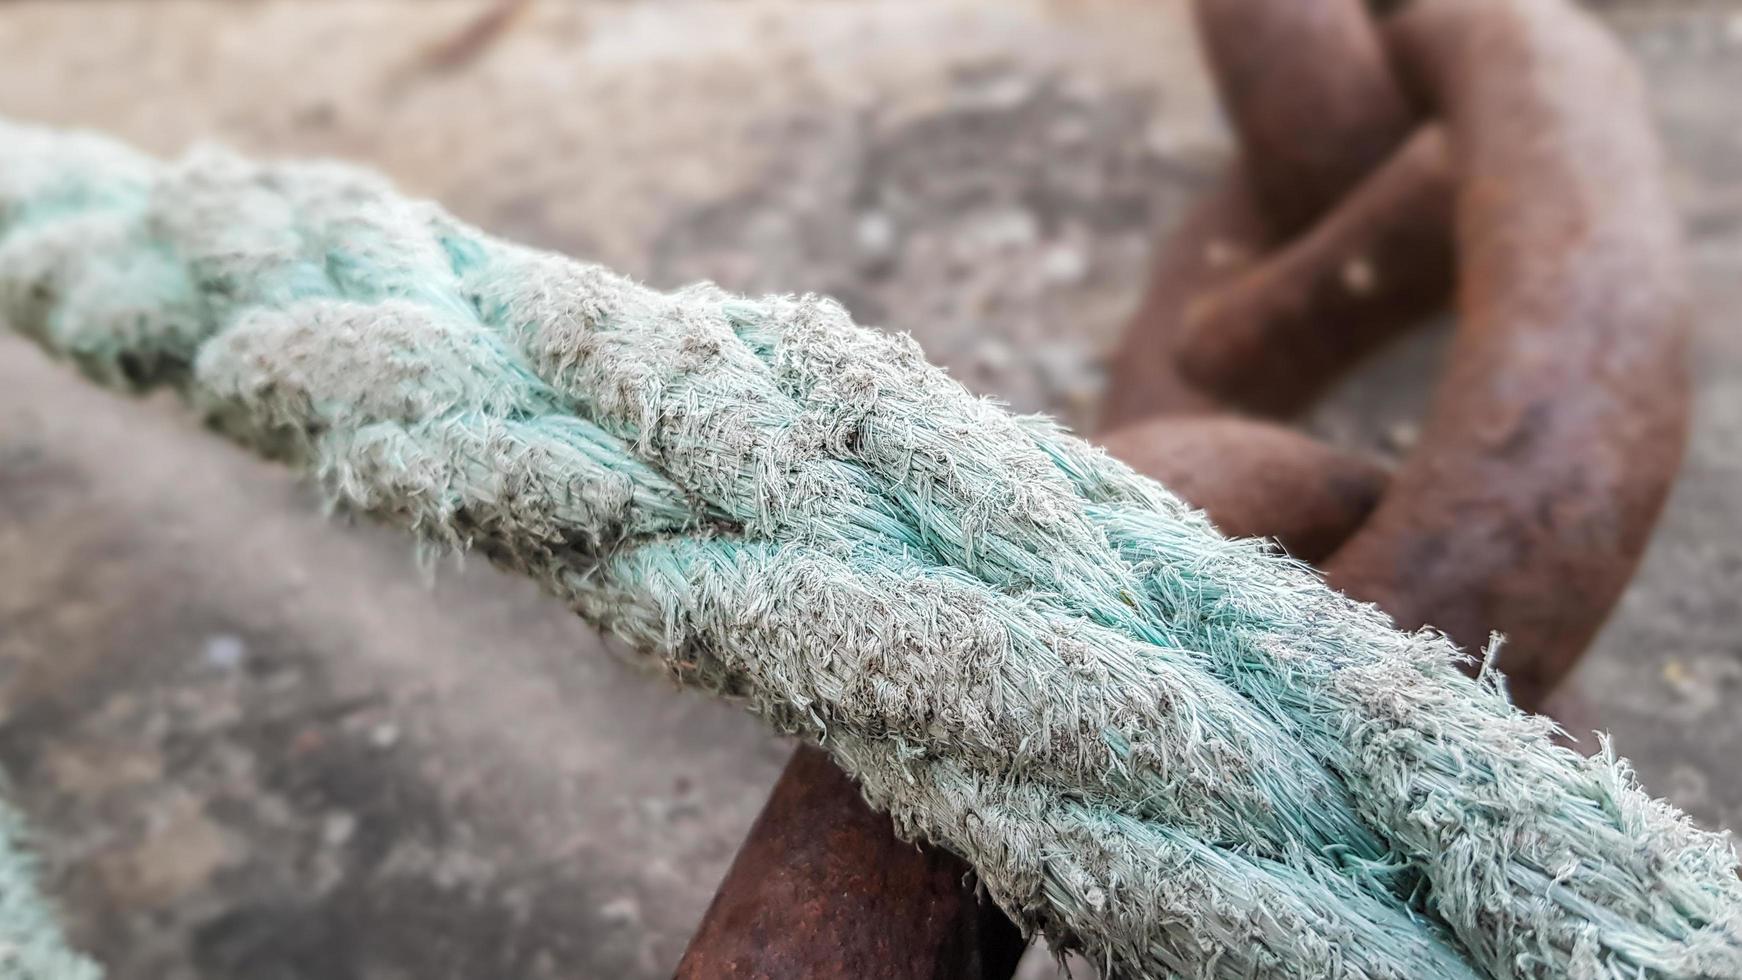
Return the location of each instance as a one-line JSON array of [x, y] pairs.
[[1181, 753]]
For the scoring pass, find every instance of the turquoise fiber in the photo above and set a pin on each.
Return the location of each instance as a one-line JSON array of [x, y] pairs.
[[1180, 753], [31, 944]]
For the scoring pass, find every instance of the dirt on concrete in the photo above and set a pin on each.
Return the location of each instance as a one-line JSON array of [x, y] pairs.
[[259, 742]]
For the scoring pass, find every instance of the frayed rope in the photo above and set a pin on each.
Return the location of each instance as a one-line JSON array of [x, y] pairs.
[[1181, 753], [31, 945]]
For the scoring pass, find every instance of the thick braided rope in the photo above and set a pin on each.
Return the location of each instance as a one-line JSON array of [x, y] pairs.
[[1182, 753]]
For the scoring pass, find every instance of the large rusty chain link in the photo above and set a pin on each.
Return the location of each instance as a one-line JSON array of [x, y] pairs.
[[1498, 148]]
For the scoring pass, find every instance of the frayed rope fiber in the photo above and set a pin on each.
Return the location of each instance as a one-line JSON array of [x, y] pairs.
[[31, 945], [1181, 753]]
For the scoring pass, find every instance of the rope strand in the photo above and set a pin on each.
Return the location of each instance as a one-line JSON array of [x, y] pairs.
[[1182, 753]]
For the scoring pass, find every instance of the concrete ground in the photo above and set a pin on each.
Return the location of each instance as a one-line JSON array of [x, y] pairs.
[[255, 742]]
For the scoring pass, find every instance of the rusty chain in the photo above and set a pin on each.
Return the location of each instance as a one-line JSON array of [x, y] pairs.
[[1509, 133]]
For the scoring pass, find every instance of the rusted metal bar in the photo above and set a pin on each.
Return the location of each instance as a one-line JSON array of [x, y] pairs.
[[1309, 91], [1255, 479], [1222, 236], [1232, 321], [1559, 424], [1276, 64], [1270, 339], [823, 888]]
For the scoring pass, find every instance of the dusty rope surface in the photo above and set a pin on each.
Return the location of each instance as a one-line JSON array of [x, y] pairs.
[[1182, 752], [31, 947]]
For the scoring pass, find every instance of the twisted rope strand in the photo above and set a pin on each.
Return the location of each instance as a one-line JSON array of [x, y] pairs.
[[31, 945], [1182, 753]]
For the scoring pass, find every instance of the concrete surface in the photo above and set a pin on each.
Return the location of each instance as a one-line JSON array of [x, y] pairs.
[[255, 743]]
